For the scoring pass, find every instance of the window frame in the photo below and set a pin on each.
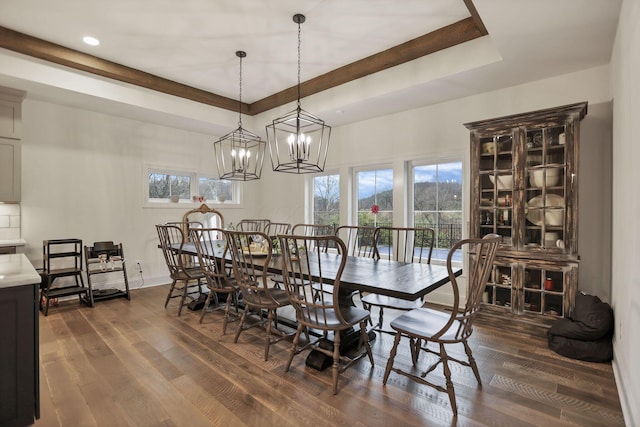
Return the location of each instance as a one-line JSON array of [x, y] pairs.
[[195, 176], [312, 191], [355, 185], [410, 202]]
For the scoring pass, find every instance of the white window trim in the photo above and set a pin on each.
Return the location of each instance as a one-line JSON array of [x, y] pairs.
[[450, 158], [310, 191], [355, 183], [182, 204]]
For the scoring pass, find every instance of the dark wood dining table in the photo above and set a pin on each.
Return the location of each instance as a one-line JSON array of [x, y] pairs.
[[409, 281]]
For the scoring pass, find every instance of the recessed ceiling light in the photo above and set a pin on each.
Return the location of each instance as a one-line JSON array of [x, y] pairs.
[[92, 41]]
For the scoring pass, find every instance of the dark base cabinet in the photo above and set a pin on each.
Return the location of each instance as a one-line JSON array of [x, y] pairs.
[[19, 364]]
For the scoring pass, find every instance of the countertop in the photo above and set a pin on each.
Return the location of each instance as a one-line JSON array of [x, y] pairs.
[[17, 270], [13, 242]]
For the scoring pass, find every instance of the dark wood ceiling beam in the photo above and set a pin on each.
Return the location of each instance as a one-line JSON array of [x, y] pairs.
[[451, 35], [442, 38], [42, 49]]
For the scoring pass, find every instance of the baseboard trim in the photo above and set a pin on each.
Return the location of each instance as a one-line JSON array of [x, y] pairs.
[[627, 411]]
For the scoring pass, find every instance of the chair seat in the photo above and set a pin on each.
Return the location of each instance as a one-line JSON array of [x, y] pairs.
[[269, 298], [425, 322], [188, 274], [351, 315], [390, 302]]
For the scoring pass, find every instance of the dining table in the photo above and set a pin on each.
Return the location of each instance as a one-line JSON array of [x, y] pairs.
[[408, 281], [404, 280]]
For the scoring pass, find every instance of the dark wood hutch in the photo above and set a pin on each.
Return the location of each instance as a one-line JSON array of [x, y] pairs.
[[524, 187]]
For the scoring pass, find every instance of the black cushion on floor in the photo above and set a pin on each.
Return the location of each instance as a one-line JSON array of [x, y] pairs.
[[587, 334]]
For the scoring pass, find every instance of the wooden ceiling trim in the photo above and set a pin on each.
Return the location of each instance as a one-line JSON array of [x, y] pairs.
[[451, 35], [42, 49], [442, 38]]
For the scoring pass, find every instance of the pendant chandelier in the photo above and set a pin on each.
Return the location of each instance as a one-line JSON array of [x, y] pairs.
[[239, 154], [298, 141]]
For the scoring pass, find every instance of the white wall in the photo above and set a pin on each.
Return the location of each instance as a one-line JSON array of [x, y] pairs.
[[82, 171], [626, 202], [83, 177], [437, 131]]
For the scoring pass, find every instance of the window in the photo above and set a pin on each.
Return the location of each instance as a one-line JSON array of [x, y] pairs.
[[437, 204], [375, 197], [215, 189], [165, 185], [326, 199], [186, 187]]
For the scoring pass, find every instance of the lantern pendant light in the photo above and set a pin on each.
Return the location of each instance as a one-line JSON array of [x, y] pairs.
[[298, 141], [240, 154]]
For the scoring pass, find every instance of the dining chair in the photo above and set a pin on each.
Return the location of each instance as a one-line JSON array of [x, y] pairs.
[[259, 225], [208, 217], [274, 228], [404, 244], [211, 247], [302, 270], [182, 268], [443, 328], [313, 229], [358, 240], [249, 269], [305, 230]]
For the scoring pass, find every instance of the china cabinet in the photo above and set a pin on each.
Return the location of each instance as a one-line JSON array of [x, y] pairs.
[[524, 187]]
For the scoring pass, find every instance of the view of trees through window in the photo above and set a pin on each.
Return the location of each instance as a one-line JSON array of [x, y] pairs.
[[437, 203], [163, 185], [375, 197], [213, 188], [326, 199]]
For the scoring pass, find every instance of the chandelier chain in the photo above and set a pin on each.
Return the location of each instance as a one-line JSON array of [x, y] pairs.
[[240, 97], [299, 43]]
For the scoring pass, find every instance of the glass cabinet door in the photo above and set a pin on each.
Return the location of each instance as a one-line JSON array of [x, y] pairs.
[[544, 291], [499, 287], [546, 169], [496, 176]]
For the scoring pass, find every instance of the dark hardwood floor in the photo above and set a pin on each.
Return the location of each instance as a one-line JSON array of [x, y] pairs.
[[133, 363]]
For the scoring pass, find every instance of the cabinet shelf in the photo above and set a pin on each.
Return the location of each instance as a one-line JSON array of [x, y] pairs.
[[537, 217]]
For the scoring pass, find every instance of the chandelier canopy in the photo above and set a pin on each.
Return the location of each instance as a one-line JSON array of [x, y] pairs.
[[298, 141], [240, 154]]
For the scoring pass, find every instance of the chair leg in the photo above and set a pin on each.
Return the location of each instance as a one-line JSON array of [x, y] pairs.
[[184, 297], [243, 318], [380, 320], [173, 285], [336, 361], [365, 340], [447, 373], [226, 314], [294, 346], [392, 356], [472, 362], [267, 341], [206, 305]]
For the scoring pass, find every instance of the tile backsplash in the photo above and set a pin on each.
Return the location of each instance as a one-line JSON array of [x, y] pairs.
[[9, 221]]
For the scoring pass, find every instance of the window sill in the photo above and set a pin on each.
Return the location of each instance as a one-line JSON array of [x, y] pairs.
[[190, 205]]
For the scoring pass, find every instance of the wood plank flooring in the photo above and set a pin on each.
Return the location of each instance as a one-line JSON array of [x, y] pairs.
[[133, 363]]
